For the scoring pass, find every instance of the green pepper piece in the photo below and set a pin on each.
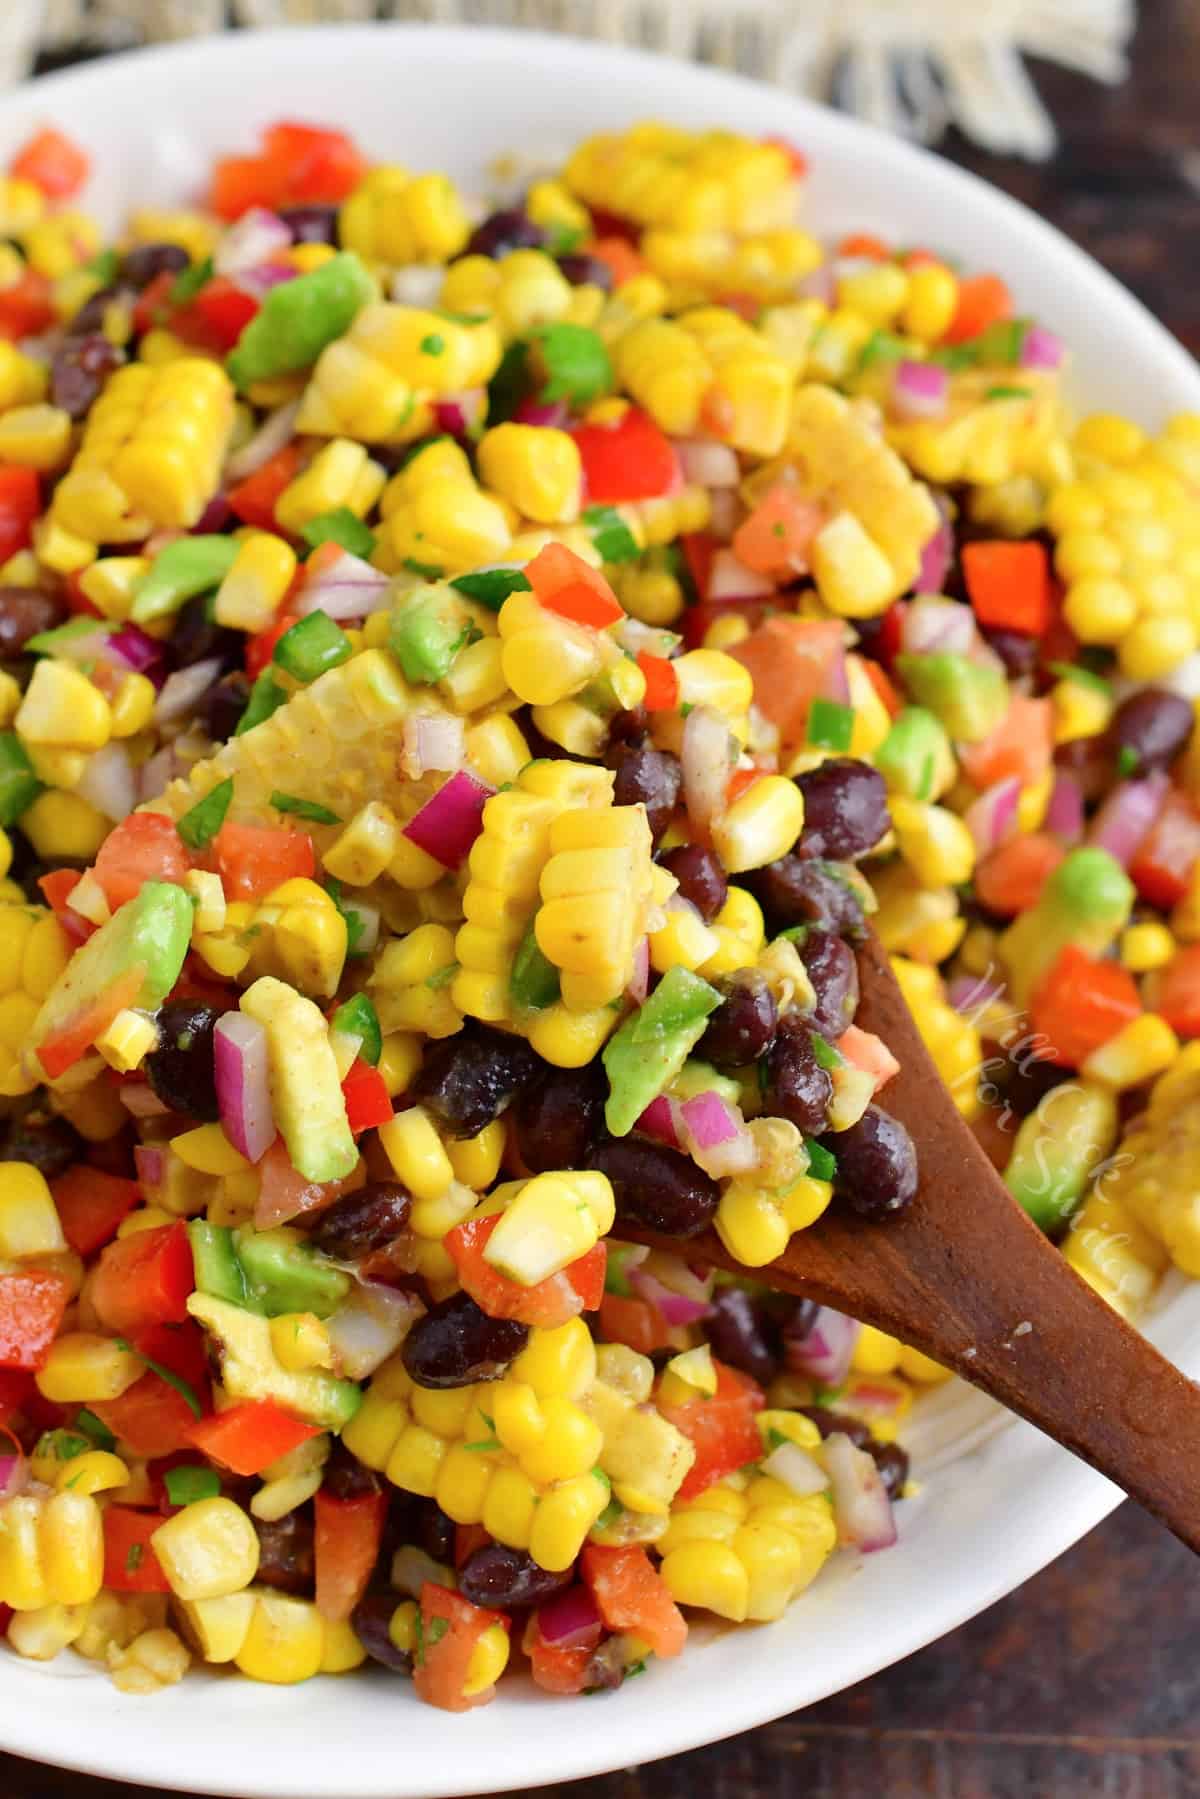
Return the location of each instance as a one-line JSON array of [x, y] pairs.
[[574, 363], [284, 1273], [298, 318], [60, 638], [830, 725], [19, 786], [189, 566], [490, 587], [357, 1017], [312, 645], [534, 981], [341, 526], [218, 1270], [266, 696]]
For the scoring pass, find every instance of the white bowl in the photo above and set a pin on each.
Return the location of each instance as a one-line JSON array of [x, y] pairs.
[[998, 1504]]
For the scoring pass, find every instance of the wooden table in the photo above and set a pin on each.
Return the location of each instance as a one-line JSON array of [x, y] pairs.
[[1086, 1682]]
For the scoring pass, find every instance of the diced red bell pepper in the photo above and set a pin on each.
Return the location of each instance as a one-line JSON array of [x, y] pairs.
[[152, 1418], [1008, 585], [721, 1428], [564, 583], [91, 1205], [144, 1279], [1079, 1005], [866, 244], [983, 300], [20, 504], [52, 162], [240, 182], [631, 460], [699, 549], [1010, 879], [619, 256], [153, 308], [662, 683], [70, 1042], [1179, 991], [556, 1668], [250, 1436], [31, 1310], [450, 1628], [216, 316], [578, 1288], [260, 649], [881, 681], [740, 782], [866, 1051], [632, 1596], [1162, 864], [316, 164], [254, 499], [130, 1564], [16, 1384], [634, 1322], [78, 604], [367, 1101], [467, 1539], [346, 1546], [182, 1349], [25, 308], [252, 860], [57, 886], [6, 1617], [143, 847]]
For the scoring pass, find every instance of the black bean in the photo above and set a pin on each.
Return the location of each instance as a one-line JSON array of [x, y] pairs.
[[50, 1145], [370, 1620], [629, 727], [143, 264], [362, 1221], [24, 611], [285, 1552], [845, 809], [795, 891], [468, 1079], [1018, 652], [646, 777], [509, 229], [560, 1117], [742, 1333], [829, 1422], [798, 1087], [1149, 729], [196, 637], [417, 1523], [892, 1463], [80, 367], [91, 315], [583, 270], [656, 1187], [876, 1164], [181, 1069], [311, 224], [435, 1532], [700, 875], [456, 1343], [743, 1026], [833, 972], [345, 1477], [607, 1666], [503, 1578], [224, 704]]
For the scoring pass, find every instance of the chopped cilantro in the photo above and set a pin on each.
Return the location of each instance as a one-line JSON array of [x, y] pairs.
[[822, 1163], [492, 586], [104, 267], [200, 824], [635, 1668], [189, 281], [340, 526], [442, 977], [433, 345], [609, 1515], [317, 815], [795, 933], [509, 385], [186, 1485], [882, 346], [62, 1445], [830, 725], [953, 357], [485, 1446], [1127, 760], [563, 240], [1009, 393], [1000, 343], [776, 1438], [95, 1429], [182, 1387], [355, 925], [610, 534], [133, 1557], [463, 318], [574, 364]]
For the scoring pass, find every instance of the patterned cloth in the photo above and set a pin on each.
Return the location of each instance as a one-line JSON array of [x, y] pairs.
[[914, 66]]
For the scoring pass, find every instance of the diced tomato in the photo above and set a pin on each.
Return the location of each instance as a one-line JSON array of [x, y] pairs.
[[253, 859], [260, 649], [790, 660], [450, 1628], [983, 300], [250, 1436], [721, 1428], [1022, 744], [143, 847], [254, 499], [622, 260], [797, 160], [151, 1418], [632, 1596], [564, 583], [578, 1288], [346, 1547], [740, 782], [130, 1564], [631, 460], [152, 307], [31, 1310], [216, 316], [20, 503], [91, 1205], [70, 1041], [1179, 991], [775, 539], [16, 1385], [240, 182], [863, 1049], [52, 162], [662, 683], [584, 606], [634, 1322], [1010, 879], [1162, 864], [699, 548], [284, 1194], [57, 886], [1080, 1004], [25, 309], [144, 1279], [864, 243], [78, 604], [1008, 585], [555, 1668], [182, 1349], [365, 1093], [316, 164]]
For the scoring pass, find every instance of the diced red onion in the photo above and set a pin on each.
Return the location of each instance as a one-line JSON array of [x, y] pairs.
[[109, 783], [150, 1163], [156, 775], [256, 237], [215, 517], [549, 414], [1127, 814], [935, 560], [992, 817], [730, 579], [14, 1475], [861, 1508], [715, 1136], [448, 824], [370, 1326], [135, 648], [346, 588], [707, 463], [797, 1469], [825, 1349], [937, 624], [141, 1101], [184, 689], [1064, 811], [835, 682], [1041, 349], [920, 390], [694, 1280], [434, 742], [658, 1121], [259, 281], [638, 984], [570, 1620], [460, 413], [243, 1089], [673, 1308], [275, 432], [971, 994], [706, 761], [419, 284]]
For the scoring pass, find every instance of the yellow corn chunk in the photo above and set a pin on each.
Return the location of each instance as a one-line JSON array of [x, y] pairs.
[[207, 1550]]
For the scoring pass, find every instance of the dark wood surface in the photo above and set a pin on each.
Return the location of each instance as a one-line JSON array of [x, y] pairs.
[[1086, 1683]]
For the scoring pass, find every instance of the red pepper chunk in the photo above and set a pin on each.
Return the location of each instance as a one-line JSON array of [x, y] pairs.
[[577, 1288], [130, 1564], [983, 300], [16, 1385], [216, 317], [631, 460], [91, 1204], [450, 1628], [31, 1310], [20, 503], [346, 1547], [57, 886], [662, 683], [144, 1279], [250, 1436], [25, 310], [151, 1419], [1179, 991], [1162, 863], [70, 1041], [564, 583], [254, 499], [52, 162], [721, 1428], [1080, 1004], [1008, 585], [367, 1101]]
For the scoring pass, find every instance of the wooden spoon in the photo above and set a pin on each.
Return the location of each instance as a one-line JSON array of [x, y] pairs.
[[964, 1275]]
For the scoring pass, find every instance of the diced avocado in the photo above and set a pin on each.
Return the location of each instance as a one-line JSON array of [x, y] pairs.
[[1058, 1149], [1086, 902], [551, 1222], [652, 1045], [218, 1271], [644, 1456], [701, 1077], [428, 629], [185, 568], [915, 758], [58, 640], [150, 932], [968, 698], [298, 318], [249, 1369], [306, 1094], [284, 1273]]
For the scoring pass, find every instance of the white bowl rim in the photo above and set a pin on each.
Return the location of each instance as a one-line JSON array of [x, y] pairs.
[[124, 1739]]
